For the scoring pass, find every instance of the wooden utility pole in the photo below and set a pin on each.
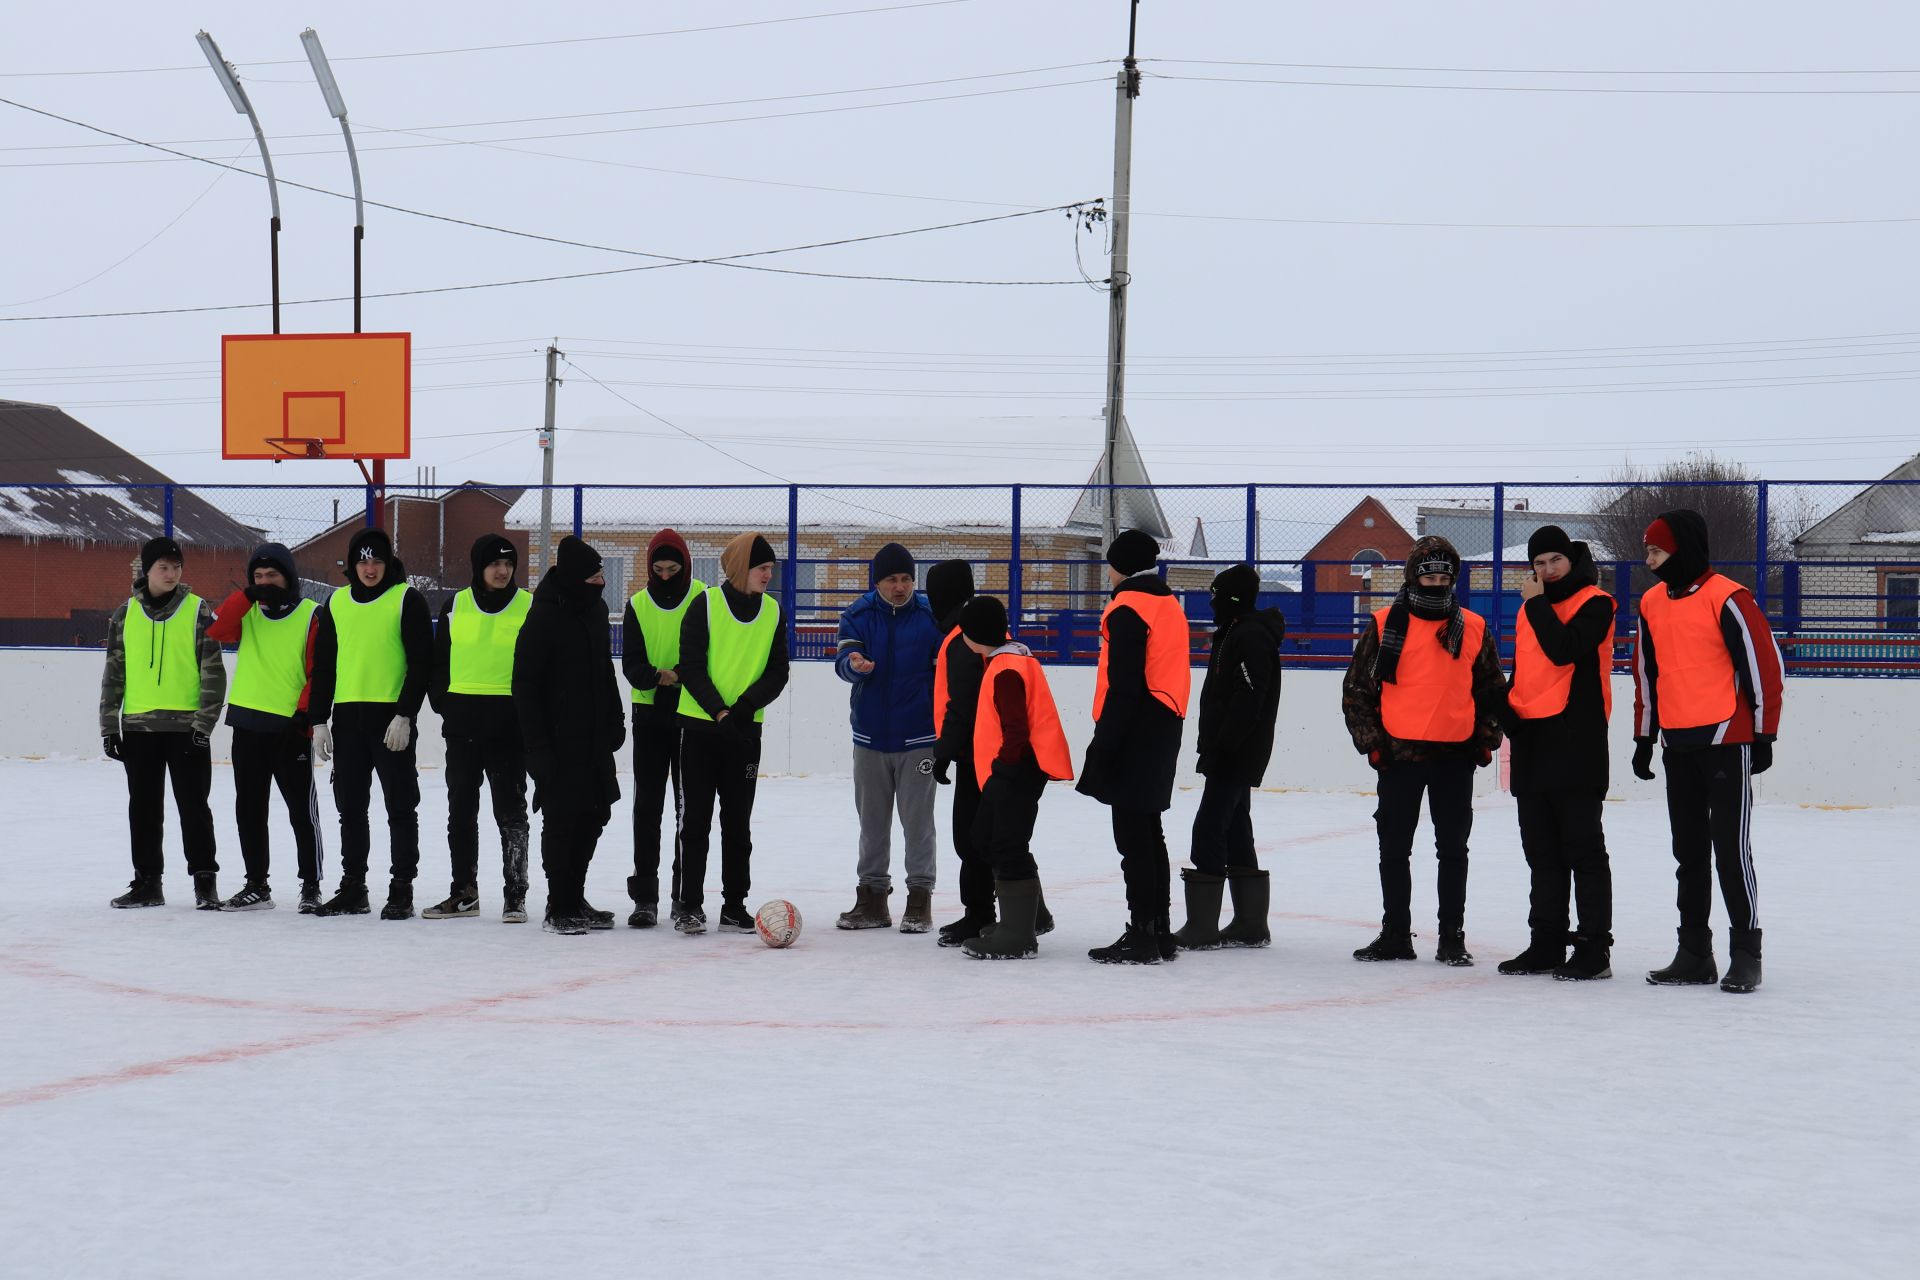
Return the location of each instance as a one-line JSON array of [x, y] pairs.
[[1128, 88]]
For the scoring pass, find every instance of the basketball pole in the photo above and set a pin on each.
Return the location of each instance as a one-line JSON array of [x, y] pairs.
[[230, 81]]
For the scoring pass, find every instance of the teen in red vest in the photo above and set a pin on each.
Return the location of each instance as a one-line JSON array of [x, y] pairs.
[[1018, 746], [1708, 681], [1139, 709], [1422, 700], [1557, 707]]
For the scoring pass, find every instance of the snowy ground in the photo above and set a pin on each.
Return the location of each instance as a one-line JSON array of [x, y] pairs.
[[186, 1094]]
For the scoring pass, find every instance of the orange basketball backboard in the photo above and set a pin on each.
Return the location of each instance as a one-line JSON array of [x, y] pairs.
[[316, 395]]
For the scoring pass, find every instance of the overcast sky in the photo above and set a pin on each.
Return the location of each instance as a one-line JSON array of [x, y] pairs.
[[1291, 327]]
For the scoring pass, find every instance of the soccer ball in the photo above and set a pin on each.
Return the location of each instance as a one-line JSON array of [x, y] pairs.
[[778, 923]]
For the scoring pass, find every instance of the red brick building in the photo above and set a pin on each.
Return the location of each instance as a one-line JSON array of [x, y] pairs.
[[432, 535], [1368, 534], [74, 510]]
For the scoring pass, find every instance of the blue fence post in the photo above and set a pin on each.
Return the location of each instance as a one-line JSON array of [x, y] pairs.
[[580, 511], [1015, 568], [790, 584], [1760, 551], [373, 509], [1253, 526], [1495, 611], [166, 514]]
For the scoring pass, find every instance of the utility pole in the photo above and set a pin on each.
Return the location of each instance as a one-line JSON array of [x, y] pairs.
[[546, 460], [1128, 87]]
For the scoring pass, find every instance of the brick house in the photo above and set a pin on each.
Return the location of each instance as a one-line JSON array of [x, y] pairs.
[[431, 534], [74, 511], [1367, 535]]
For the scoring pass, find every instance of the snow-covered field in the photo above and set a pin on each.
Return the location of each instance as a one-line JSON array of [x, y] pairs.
[[199, 1095]]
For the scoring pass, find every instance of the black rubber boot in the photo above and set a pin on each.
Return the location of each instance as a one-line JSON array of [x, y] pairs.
[[1043, 918], [646, 910], [1138, 945], [206, 894], [143, 891], [1544, 954], [351, 900], [1591, 960], [967, 926], [1743, 970], [1013, 938], [1388, 946], [1692, 965], [399, 901], [1201, 932], [1251, 889]]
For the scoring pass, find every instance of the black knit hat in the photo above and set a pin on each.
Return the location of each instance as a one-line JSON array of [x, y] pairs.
[[1133, 551], [159, 549], [1432, 554], [949, 585], [489, 547], [891, 559], [1239, 584], [368, 544], [576, 561], [1549, 539], [983, 620]]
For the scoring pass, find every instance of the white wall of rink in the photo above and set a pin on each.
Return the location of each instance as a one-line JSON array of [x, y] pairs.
[[1842, 741]]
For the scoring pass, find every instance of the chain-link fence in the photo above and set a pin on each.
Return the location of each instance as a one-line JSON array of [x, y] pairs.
[[1835, 565]]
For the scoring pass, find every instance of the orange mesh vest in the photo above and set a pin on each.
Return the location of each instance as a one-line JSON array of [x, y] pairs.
[[1043, 720], [1431, 700], [1169, 663], [1540, 689], [940, 684], [1695, 683]]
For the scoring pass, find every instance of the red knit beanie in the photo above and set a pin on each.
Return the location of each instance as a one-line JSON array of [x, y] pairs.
[[1660, 535]]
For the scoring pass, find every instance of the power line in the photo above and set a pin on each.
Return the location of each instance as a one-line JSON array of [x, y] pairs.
[[1522, 71], [519, 44], [1518, 88]]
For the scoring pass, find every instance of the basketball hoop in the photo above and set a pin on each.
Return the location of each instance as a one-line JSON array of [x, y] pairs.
[[298, 447]]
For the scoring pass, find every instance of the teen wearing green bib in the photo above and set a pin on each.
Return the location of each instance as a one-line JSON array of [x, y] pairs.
[[267, 711], [733, 662], [649, 656], [159, 702], [372, 655], [472, 690]]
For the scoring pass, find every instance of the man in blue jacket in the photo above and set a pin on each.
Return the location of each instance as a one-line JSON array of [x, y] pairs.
[[887, 644]]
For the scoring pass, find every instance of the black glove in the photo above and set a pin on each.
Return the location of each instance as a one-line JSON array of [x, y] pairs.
[[1643, 760], [1762, 756], [940, 766], [254, 591], [202, 740], [112, 744], [739, 718]]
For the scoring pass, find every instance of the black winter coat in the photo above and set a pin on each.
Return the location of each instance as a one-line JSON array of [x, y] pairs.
[[1136, 742], [1567, 752], [568, 701], [1241, 698]]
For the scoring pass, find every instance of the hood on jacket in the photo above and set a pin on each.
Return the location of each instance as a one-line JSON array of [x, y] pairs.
[[1682, 534], [668, 545], [486, 549], [745, 552], [949, 585], [1432, 554]]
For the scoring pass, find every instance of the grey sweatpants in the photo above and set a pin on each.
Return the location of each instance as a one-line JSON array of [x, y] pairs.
[[882, 781]]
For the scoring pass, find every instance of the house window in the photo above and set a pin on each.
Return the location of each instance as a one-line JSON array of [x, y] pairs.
[[1365, 561], [1903, 602]]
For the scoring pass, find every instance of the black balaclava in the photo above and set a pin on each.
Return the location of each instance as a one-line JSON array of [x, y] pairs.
[[1682, 534], [572, 566], [1235, 592], [949, 585], [983, 620], [275, 601]]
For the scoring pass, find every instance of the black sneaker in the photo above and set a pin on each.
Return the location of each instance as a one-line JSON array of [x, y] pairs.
[[570, 925], [309, 898], [1137, 945], [254, 897], [689, 920], [1539, 957], [399, 901], [595, 918], [735, 918], [1453, 949], [461, 902], [645, 915], [1590, 961], [513, 907], [142, 891], [206, 895], [351, 900], [1388, 946]]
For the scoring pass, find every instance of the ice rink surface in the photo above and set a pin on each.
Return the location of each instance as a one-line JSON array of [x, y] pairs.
[[198, 1095]]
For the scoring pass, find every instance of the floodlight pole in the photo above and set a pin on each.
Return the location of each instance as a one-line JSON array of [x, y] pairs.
[[1128, 87], [230, 81]]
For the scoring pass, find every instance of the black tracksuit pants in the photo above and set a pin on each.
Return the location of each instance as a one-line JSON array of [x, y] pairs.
[[1223, 828], [976, 862], [1565, 846], [359, 752], [1447, 784], [501, 762], [717, 762], [1142, 842], [1709, 802], [656, 762], [567, 841], [151, 761], [1003, 825], [262, 762]]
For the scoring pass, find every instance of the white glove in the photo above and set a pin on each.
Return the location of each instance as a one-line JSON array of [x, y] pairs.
[[399, 734], [322, 743]]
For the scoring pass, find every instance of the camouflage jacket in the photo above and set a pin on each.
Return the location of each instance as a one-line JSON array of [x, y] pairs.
[[113, 682], [1360, 702]]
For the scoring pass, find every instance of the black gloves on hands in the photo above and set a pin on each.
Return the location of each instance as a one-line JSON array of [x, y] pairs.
[[1643, 760], [1761, 758], [111, 744], [940, 766]]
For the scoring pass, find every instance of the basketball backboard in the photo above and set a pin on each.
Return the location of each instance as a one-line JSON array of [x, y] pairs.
[[316, 395]]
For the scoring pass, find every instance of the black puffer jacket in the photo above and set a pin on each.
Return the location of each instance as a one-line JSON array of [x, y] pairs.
[[1240, 699], [568, 699]]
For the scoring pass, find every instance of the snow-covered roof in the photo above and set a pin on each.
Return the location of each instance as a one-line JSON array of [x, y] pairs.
[[1902, 537]]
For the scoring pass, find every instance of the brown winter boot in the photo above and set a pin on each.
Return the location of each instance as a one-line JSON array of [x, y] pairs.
[[918, 917], [869, 910]]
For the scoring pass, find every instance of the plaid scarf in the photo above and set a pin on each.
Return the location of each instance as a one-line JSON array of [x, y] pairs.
[[1425, 602]]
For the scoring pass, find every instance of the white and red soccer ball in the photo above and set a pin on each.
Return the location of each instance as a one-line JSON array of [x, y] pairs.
[[778, 923]]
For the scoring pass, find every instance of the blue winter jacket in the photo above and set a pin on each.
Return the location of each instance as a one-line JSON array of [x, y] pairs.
[[893, 703]]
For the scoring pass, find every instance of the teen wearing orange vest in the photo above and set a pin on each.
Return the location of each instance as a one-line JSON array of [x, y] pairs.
[[1422, 700], [1557, 707], [1139, 708], [1708, 681], [1018, 746]]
